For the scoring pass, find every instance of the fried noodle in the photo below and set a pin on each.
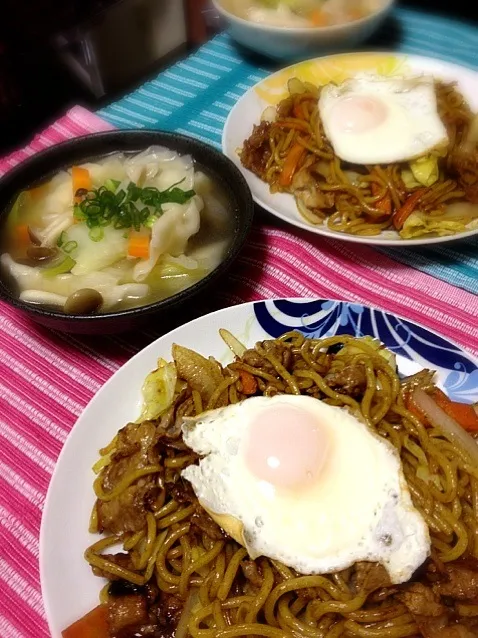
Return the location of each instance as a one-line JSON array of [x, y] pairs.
[[353, 199], [235, 596]]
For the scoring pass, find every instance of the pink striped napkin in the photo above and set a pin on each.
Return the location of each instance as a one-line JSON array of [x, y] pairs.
[[46, 379], [78, 121]]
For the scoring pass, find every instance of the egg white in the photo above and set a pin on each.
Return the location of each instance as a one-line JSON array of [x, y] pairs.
[[359, 509], [411, 129]]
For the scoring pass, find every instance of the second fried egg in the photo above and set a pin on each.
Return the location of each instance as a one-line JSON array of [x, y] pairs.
[[378, 120]]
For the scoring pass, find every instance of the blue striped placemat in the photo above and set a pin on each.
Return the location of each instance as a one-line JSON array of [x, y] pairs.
[[194, 97]]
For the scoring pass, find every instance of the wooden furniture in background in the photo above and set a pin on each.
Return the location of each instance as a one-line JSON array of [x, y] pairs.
[[197, 28]]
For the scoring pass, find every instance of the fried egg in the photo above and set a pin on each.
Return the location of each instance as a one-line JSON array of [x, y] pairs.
[[376, 120], [305, 483]]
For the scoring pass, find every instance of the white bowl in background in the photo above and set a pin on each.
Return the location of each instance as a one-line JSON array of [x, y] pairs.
[[296, 43]]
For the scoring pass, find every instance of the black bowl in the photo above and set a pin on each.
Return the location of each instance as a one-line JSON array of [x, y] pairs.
[[45, 164]]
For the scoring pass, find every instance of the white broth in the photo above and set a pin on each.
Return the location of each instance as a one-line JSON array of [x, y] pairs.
[[119, 233]]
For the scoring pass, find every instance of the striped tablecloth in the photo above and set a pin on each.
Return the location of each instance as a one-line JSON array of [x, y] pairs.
[[47, 378], [195, 96]]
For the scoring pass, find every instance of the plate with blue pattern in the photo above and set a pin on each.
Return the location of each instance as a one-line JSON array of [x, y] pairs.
[[70, 497]]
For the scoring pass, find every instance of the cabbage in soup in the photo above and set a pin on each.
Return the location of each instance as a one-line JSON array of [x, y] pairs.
[[119, 233], [301, 13]]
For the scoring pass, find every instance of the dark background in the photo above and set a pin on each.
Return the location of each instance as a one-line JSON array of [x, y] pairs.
[[35, 87]]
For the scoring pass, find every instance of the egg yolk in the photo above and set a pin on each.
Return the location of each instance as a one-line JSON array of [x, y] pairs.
[[286, 447], [358, 113]]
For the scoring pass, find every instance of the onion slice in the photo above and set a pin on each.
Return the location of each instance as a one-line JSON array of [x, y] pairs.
[[182, 630], [447, 426], [232, 342]]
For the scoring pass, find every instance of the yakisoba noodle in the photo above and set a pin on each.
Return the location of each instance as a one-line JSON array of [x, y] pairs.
[[227, 594], [290, 151]]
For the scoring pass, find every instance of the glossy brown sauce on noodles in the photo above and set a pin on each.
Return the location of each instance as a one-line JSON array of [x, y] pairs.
[[182, 575]]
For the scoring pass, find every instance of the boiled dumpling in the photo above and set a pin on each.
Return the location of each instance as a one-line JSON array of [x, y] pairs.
[[170, 234]]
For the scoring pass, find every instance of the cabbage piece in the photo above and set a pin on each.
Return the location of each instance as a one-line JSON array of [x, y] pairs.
[[461, 211], [113, 296], [170, 234], [169, 266], [409, 179], [419, 224], [351, 349], [425, 170], [91, 256], [158, 391]]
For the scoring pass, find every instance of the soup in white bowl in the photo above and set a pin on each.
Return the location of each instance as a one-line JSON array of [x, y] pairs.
[[292, 30], [301, 13]]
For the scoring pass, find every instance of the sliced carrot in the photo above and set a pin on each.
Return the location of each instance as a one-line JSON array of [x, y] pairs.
[[402, 214], [299, 109], [81, 180], [249, 383], [23, 235], [93, 625], [298, 112], [463, 413], [290, 165], [318, 18], [138, 246], [384, 203]]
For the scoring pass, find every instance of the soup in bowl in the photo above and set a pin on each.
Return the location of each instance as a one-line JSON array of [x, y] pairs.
[[301, 13], [120, 232], [291, 30]]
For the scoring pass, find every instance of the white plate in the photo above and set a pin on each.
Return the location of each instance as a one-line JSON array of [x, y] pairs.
[[69, 588], [335, 68]]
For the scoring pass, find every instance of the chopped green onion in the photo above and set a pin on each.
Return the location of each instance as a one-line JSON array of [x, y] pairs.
[[134, 207], [150, 221], [120, 196], [70, 246], [96, 233], [61, 239], [112, 185], [62, 268], [78, 214]]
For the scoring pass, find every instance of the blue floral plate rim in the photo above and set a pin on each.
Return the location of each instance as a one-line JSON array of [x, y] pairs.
[[456, 368]]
